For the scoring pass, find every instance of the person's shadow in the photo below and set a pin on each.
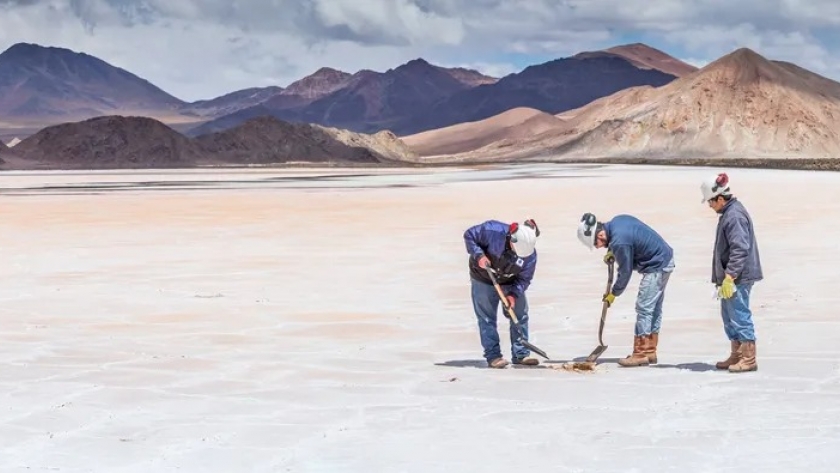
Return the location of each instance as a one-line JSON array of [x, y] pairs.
[[696, 367]]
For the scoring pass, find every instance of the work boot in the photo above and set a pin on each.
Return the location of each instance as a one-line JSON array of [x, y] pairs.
[[529, 361], [650, 350], [638, 357], [747, 358], [734, 356], [498, 363]]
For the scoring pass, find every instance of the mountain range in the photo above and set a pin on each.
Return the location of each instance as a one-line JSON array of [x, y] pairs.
[[628, 101], [41, 86]]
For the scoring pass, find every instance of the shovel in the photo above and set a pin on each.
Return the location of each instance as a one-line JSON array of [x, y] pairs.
[[601, 348], [509, 309]]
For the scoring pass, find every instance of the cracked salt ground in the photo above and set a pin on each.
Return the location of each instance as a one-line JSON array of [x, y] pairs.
[[269, 328]]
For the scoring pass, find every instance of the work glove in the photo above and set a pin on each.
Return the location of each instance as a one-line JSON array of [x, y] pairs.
[[727, 289], [609, 299], [609, 257]]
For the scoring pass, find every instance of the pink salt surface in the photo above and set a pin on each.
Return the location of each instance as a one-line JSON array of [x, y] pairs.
[[331, 330]]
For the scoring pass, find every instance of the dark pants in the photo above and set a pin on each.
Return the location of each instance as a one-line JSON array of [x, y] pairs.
[[486, 303]]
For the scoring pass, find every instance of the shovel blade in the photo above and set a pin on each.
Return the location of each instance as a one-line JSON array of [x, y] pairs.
[[533, 348], [598, 351]]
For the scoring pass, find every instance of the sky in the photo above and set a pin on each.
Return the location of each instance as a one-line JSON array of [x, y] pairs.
[[199, 49]]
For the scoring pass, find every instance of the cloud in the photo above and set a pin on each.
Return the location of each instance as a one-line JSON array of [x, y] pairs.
[[204, 48]]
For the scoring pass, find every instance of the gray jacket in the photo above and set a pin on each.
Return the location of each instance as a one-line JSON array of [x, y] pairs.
[[736, 249]]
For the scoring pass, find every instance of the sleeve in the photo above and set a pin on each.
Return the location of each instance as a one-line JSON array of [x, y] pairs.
[[737, 232], [523, 279], [476, 239], [624, 260]]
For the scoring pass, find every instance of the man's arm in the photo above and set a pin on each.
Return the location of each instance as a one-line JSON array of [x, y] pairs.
[[624, 260], [523, 279], [737, 232], [476, 240]]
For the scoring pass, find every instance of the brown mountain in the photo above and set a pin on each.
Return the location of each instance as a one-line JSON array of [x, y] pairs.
[[109, 142], [48, 85], [645, 57], [739, 106], [267, 140], [366, 101], [140, 142]]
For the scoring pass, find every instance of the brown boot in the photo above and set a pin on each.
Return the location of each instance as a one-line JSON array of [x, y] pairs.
[[734, 356], [498, 363], [638, 357], [528, 361], [650, 349], [747, 361]]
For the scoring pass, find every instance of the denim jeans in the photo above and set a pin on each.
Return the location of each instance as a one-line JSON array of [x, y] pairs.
[[649, 300], [736, 314], [486, 303]]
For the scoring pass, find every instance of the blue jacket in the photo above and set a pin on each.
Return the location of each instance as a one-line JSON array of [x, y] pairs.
[[637, 247], [736, 249], [491, 239]]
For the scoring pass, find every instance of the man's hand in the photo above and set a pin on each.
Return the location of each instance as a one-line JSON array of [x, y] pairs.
[[609, 257], [727, 289], [511, 300], [483, 262], [609, 299]]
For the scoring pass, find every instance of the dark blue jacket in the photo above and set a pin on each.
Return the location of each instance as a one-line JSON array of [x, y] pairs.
[[736, 249], [637, 247], [491, 239]]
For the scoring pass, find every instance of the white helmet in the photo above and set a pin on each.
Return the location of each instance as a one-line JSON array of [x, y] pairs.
[[524, 237], [587, 230], [715, 186]]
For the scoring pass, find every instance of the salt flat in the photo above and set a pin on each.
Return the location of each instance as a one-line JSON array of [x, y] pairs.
[[325, 325]]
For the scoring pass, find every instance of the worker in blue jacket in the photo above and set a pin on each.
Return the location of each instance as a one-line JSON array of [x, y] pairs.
[[509, 249], [635, 247]]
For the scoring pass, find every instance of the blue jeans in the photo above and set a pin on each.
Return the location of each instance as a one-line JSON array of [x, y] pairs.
[[486, 303], [649, 300], [736, 314]]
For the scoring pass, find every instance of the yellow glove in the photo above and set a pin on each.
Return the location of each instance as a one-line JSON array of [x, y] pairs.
[[727, 289], [609, 257], [609, 299]]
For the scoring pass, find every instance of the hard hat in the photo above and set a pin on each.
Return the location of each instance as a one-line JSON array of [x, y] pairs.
[[524, 237], [715, 186], [587, 230]]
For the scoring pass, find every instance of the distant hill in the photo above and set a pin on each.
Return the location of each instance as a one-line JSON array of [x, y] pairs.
[[111, 142], [514, 124], [47, 85], [740, 106], [645, 57]]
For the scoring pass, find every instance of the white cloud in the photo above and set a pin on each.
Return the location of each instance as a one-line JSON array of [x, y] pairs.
[[203, 48]]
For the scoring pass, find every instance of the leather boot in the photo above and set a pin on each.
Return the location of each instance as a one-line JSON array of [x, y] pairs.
[[734, 356], [650, 350], [638, 357], [498, 363], [747, 358]]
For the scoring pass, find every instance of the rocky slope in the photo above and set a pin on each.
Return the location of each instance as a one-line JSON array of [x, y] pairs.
[[739, 106]]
